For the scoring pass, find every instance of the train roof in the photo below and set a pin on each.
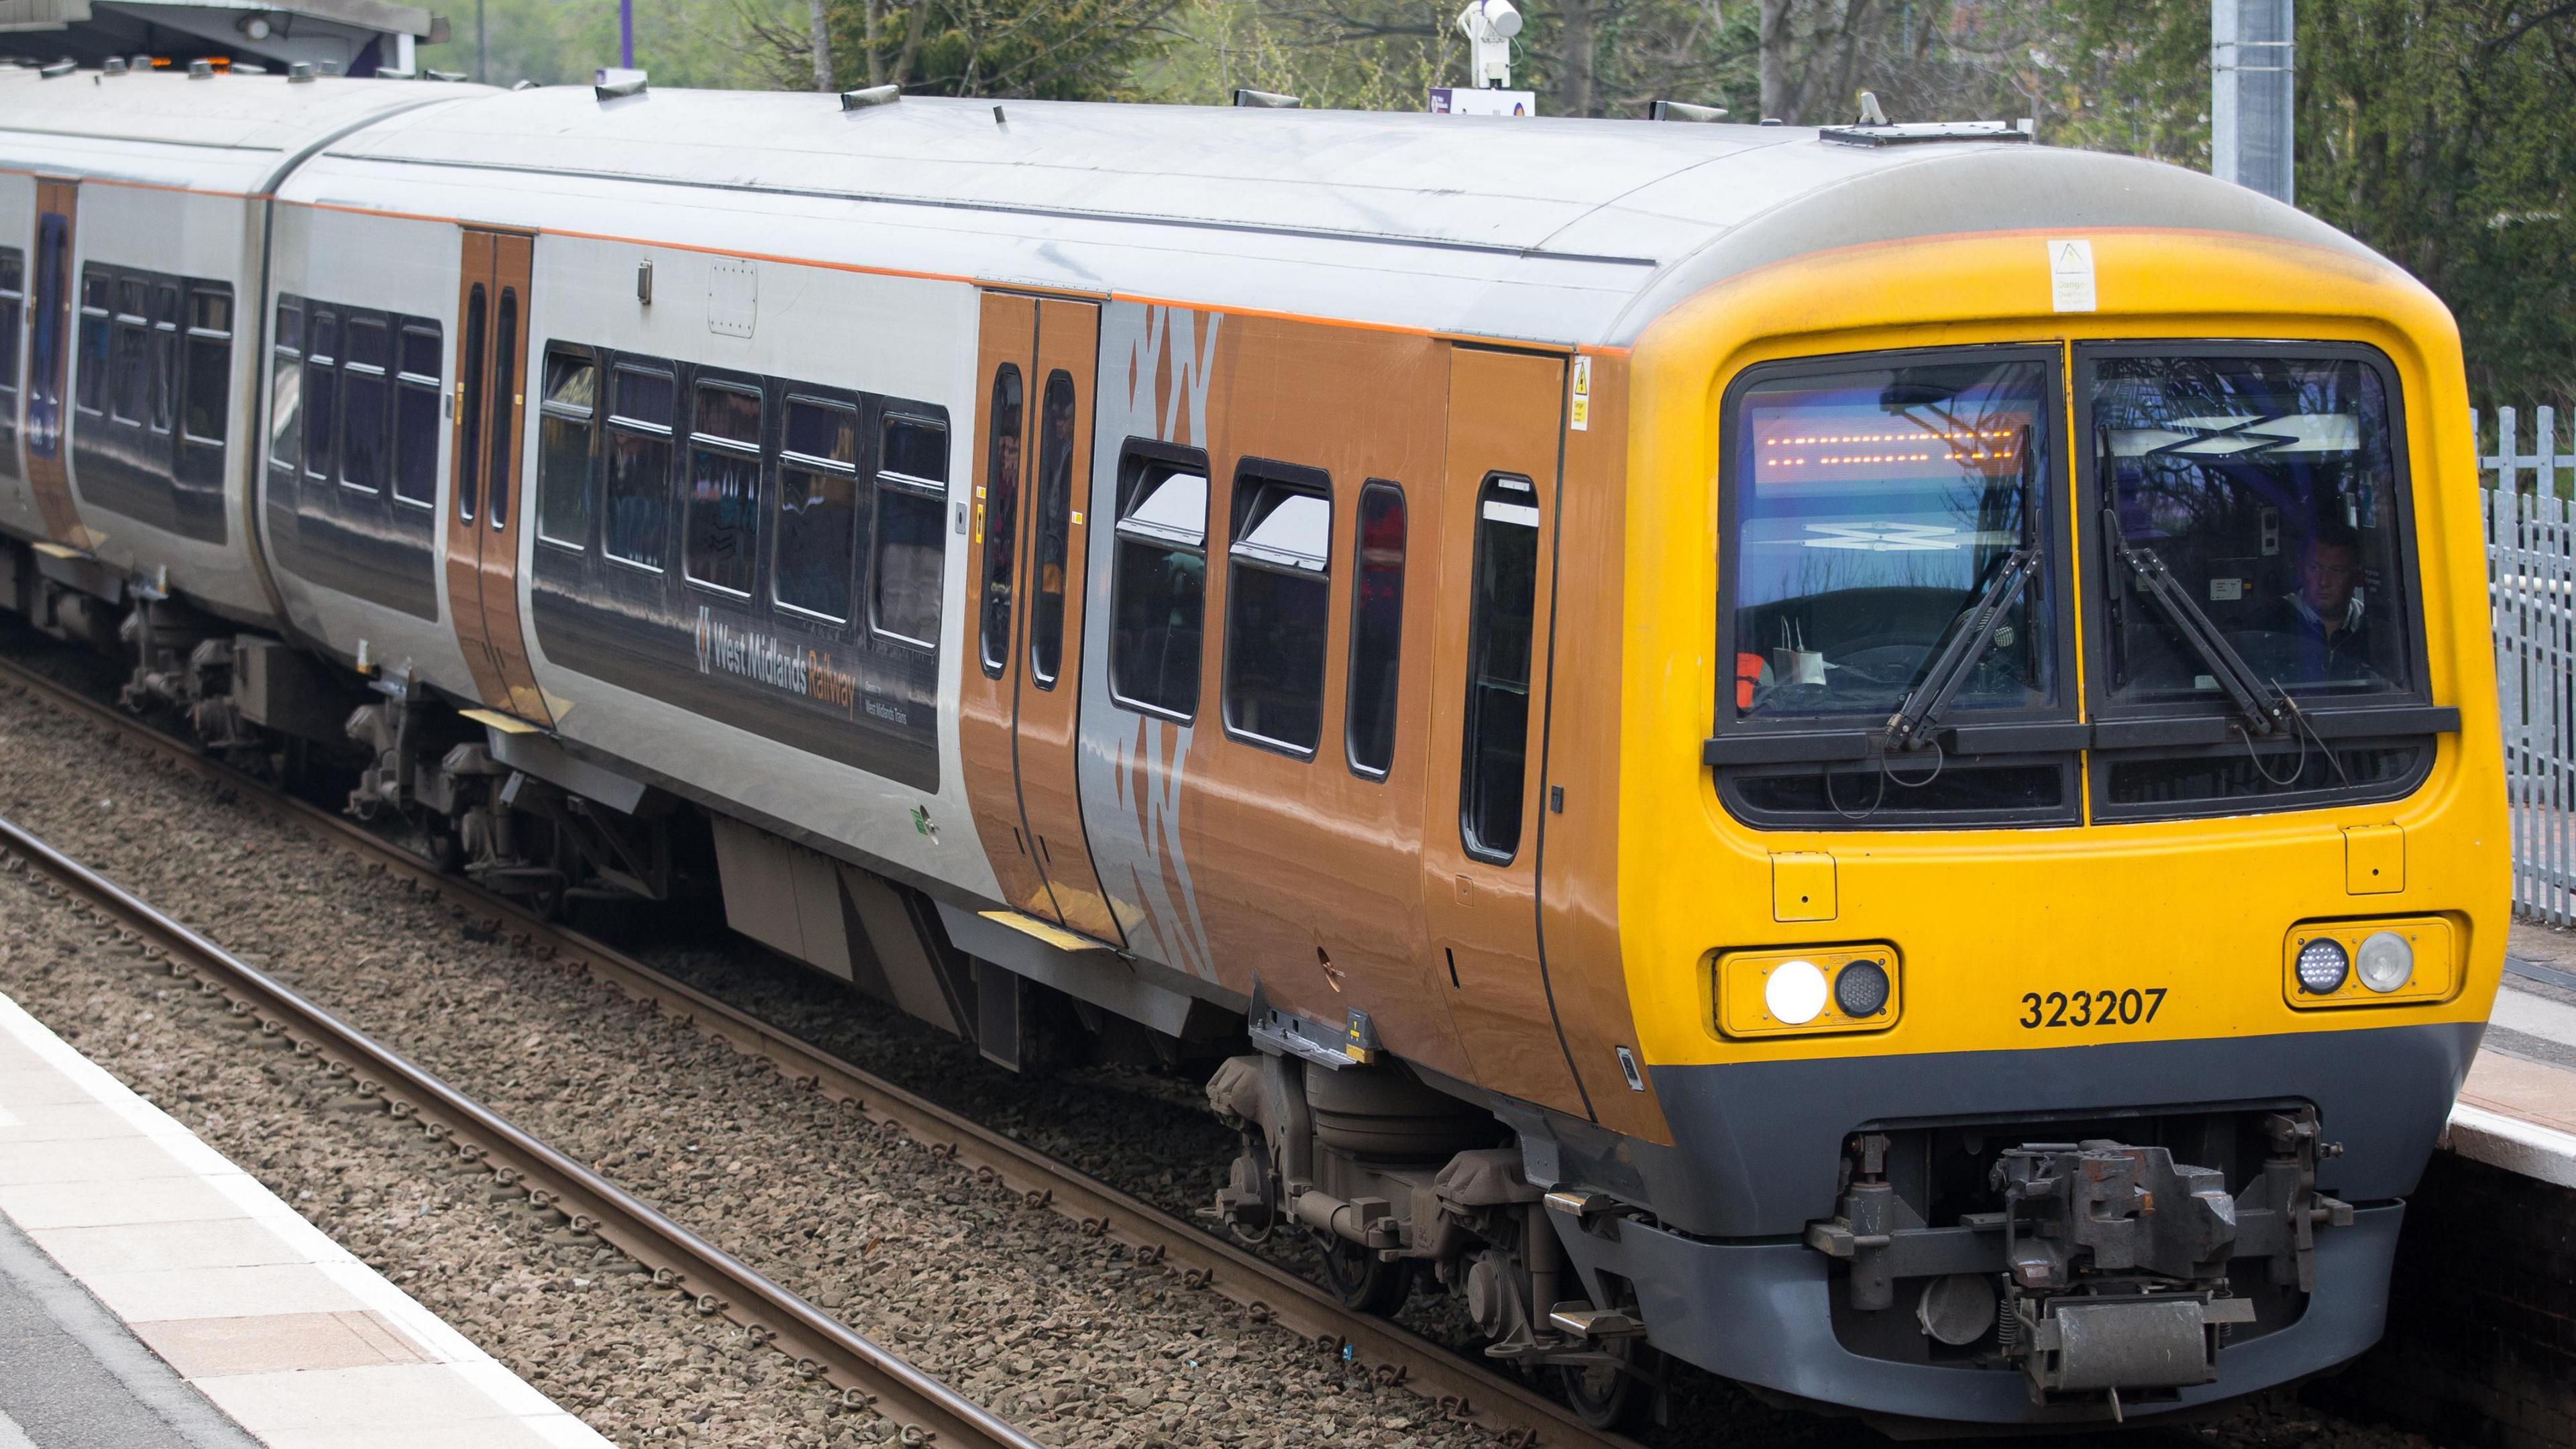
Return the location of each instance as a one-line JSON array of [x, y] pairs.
[[1558, 230], [233, 133]]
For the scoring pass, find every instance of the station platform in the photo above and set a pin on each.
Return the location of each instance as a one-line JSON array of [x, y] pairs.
[[2518, 1108], [155, 1296]]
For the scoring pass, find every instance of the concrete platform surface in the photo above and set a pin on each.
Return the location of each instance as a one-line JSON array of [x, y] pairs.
[[2518, 1108], [155, 1296]]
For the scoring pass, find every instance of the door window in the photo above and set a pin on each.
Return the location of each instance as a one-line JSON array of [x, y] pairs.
[[997, 517], [45, 339], [1055, 527], [505, 404], [1496, 744], [469, 450], [13, 300]]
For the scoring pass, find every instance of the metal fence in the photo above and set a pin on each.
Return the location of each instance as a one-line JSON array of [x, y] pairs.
[[2531, 573]]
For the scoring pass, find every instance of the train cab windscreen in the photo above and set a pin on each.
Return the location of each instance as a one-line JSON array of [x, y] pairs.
[[2267, 487], [1876, 509]]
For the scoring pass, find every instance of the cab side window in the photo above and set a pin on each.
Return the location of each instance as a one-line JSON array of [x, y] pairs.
[[1158, 581], [1500, 618]]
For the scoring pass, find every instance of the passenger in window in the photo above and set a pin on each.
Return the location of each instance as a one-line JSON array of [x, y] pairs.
[[2328, 613]]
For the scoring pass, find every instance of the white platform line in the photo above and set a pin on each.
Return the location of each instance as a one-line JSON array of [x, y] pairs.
[[440, 1339], [2513, 1144]]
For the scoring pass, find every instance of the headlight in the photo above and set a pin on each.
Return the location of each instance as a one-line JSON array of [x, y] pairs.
[[1860, 989], [2385, 961], [1807, 990], [1795, 993], [2322, 966], [2400, 961]]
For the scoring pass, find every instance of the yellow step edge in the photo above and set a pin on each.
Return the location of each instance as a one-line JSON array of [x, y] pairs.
[[508, 724], [1053, 935]]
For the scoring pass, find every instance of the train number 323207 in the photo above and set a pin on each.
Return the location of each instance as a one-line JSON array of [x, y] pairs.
[[2108, 1007]]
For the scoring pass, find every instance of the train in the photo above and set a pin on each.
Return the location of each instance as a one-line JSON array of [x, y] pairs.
[[1859, 756]]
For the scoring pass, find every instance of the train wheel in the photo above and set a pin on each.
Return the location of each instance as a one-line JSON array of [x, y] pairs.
[[1366, 1283], [1617, 1396]]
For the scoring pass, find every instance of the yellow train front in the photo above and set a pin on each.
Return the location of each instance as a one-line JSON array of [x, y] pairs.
[[2061, 848]]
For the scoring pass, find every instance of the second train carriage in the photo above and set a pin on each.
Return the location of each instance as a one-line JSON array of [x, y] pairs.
[[1863, 758]]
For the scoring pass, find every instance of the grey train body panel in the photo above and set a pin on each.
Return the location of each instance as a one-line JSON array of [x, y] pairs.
[[1766, 1138]]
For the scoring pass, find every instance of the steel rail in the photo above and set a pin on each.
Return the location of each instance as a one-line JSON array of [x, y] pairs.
[[771, 1315], [1392, 1355]]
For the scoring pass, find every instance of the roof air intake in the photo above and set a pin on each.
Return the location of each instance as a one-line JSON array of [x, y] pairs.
[[872, 96], [613, 84], [1268, 100], [1683, 111]]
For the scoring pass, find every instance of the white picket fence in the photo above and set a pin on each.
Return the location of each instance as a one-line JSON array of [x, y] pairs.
[[2531, 563]]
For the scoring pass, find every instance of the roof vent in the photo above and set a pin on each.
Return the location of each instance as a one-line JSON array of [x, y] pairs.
[[449, 76], [1916, 132], [1267, 100], [1683, 111], [523, 83], [298, 71], [611, 84], [1870, 114], [861, 100], [201, 70], [113, 65], [56, 71]]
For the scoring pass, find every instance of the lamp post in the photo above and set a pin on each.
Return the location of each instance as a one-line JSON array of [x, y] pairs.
[[626, 33], [2252, 68]]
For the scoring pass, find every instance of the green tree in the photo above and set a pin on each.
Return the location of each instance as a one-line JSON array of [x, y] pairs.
[[1091, 50]]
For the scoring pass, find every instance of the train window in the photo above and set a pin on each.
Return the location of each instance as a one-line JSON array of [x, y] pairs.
[[1377, 628], [2266, 486], [720, 518], [911, 547], [286, 386], [1278, 606], [1495, 745], [416, 395], [13, 306], [565, 434], [997, 518], [818, 509], [89, 393], [638, 496], [206, 401], [1054, 528], [321, 393], [45, 335], [209, 367], [363, 395], [1158, 581], [165, 356], [469, 393], [129, 394], [505, 402]]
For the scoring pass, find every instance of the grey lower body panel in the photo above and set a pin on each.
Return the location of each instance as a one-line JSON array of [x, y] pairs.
[[1757, 1145], [1760, 1313]]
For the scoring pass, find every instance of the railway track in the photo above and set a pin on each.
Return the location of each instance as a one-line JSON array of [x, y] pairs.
[[1453, 1387]]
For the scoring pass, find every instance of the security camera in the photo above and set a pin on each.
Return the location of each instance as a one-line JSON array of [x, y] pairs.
[[1499, 14]]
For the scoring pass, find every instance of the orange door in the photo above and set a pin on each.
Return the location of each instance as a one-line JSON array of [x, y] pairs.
[[1489, 717], [1016, 727], [1052, 553], [987, 746], [53, 337], [483, 524]]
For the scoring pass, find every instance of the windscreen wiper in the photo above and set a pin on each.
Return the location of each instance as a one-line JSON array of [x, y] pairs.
[[2257, 699], [1973, 634]]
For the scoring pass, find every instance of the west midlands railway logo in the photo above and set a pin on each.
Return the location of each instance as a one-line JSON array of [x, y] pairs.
[[808, 673]]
